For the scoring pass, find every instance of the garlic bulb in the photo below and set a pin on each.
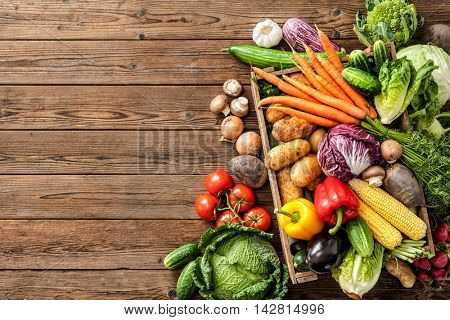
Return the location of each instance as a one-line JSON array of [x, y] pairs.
[[267, 34]]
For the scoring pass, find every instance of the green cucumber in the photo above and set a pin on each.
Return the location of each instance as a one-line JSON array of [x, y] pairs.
[[362, 80], [182, 255], [358, 59], [263, 58], [360, 236], [380, 54], [185, 285]]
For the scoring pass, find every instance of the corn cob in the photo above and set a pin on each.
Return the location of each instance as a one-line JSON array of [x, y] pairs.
[[383, 231], [390, 209]]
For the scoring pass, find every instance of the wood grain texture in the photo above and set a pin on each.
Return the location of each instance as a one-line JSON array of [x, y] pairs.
[[94, 244], [160, 284], [181, 19], [105, 197], [103, 152], [112, 107], [159, 62]]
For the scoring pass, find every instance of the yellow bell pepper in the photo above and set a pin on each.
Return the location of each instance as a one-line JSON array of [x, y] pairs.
[[299, 220]]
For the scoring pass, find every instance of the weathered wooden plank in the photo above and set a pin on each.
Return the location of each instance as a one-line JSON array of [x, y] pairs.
[[111, 107], [189, 19], [122, 62], [105, 197], [93, 244], [160, 284], [105, 152]]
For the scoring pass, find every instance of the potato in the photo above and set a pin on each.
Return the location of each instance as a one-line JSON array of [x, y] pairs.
[[288, 191], [313, 185], [286, 153], [304, 171], [315, 138], [248, 170], [292, 128], [273, 116], [401, 271]]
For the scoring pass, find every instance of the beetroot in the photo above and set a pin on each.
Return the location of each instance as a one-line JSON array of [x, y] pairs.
[[440, 260], [439, 274], [422, 263], [440, 234], [424, 276]]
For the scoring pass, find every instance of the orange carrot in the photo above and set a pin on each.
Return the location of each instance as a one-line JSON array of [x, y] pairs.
[[357, 98], [308, 72], [323, 73], [320, 110], [337, 94], [372, 113], [307, 117], [283, 86], [302, 78], [329, 50], [328, 100]]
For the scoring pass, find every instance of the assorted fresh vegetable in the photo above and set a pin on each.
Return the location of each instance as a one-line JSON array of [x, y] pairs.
[[350, 187]]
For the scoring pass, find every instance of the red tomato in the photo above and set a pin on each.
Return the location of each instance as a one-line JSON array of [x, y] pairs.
[[206, 205], [227, 217], [241, 198], [218, 181], [257, 218]]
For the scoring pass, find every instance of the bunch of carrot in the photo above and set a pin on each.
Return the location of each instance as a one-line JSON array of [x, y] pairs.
[[319, 95]]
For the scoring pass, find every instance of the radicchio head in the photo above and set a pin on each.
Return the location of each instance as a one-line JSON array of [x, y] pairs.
[[346, 151]]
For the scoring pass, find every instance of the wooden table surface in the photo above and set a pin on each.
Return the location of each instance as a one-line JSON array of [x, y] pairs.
[[106, 137]]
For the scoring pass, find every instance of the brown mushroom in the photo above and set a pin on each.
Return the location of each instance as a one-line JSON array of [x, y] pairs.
[[239, 107], [220, 104], [232, 88], [374, 176], [391, 151], [249, 143]]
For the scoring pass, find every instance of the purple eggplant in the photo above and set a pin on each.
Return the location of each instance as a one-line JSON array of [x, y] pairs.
[[296, 32]]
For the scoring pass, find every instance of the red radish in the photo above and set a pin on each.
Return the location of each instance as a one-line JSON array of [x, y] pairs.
[[422, 263], [424, 276], [448, 267], [439, 274], [440, 260], [440, 234], [448, 238]]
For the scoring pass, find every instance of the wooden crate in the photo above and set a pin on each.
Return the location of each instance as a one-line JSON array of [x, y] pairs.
[[301, 277]]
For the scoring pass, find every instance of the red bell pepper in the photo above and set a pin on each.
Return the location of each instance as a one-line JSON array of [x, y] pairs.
[[335, 203]]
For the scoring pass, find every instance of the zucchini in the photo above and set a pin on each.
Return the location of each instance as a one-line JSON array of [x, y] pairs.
[[380, 54], [263, 58], [300, 261], [185, 285], [360, 237], [182, 255], [358, 59], [362, 80]]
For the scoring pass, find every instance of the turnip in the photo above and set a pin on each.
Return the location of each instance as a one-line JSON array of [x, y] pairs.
[[422, 263], [439, 274], [440, 260], [440, 234], [424, 276]]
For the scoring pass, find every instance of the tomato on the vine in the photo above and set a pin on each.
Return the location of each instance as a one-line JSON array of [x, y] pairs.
[[257, 218], [206, 206], [218, 181], [227, 217], [241, 198]]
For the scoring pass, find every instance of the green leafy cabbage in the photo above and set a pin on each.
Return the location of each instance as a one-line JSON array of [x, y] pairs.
[[357, 275], [433, 94], [239, 263], [387, 20]]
